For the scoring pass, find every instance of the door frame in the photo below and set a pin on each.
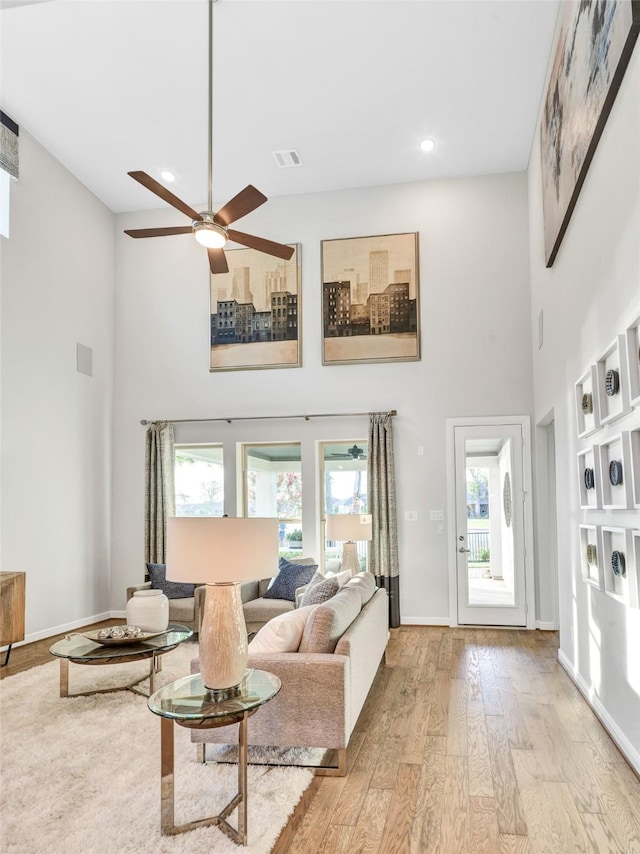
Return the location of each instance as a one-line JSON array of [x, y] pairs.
[[524, 421]]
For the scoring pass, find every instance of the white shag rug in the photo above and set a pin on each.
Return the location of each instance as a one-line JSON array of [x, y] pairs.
[[82, 775]]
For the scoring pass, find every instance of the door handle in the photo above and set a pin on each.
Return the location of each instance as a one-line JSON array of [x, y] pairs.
[[462, 550]]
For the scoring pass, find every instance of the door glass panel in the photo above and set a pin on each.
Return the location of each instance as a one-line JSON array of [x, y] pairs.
[[199, 480], [344, 482], [489, 535], [273, 488]]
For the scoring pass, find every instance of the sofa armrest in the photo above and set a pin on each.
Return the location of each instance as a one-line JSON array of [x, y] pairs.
[[135, 588], [311, 709]]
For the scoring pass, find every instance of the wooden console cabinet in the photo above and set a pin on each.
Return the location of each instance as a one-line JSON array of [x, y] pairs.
[[12, 586]]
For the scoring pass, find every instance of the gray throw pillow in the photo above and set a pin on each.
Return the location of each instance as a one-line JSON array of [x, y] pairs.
[[318, 593], [290, 576], [171, 589]]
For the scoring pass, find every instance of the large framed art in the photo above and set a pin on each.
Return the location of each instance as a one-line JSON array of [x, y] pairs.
[[370, 299], [595, 42], [256, 312]]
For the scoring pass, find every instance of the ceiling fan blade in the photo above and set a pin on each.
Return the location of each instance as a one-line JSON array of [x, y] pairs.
[[246, 201], [167, 196], [280, 250], [158, 232], [217, 261]]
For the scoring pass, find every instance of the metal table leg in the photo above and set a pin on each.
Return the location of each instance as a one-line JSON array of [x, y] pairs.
[[167, 788]]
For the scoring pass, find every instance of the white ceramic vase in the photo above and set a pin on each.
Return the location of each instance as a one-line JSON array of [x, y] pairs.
[[148, 609]]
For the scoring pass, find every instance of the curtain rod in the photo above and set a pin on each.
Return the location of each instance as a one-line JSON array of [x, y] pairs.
[[391, 412]]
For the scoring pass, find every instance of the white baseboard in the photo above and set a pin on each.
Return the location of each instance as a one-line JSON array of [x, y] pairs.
[[622, 742], [424, 621], [546, 627], [67, 627]]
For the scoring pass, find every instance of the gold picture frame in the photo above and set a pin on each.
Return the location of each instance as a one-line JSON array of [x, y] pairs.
[[370, 299], [255, 312]]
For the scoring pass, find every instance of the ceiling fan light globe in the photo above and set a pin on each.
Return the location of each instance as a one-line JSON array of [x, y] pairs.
[[210, 234]]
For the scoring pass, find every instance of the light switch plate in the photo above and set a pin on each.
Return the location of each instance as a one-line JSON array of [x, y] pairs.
[[436, 515]]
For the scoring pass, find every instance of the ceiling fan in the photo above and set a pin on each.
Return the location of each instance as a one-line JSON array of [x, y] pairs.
[[211, 229], [354, 453]]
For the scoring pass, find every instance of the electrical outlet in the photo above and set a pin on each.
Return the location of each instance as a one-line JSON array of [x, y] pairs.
[[411, 515], [441, 529], [436, 515]]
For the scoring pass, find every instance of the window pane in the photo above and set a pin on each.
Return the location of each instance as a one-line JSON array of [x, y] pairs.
[[273, 488], [344, 476], [199, 474]]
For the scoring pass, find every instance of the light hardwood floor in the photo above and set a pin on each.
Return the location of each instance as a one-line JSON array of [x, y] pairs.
[[471, 740]]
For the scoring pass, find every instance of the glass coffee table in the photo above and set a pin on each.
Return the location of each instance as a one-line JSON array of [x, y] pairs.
[[81, 650], [188, 703]]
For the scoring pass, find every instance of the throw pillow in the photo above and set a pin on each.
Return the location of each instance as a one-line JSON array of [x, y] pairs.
[[289, 578], [171, 589], [283, 633], [320, 592], [299, 561]]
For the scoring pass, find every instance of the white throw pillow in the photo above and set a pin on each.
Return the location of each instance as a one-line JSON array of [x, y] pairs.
[[283, 633], [342, 577]]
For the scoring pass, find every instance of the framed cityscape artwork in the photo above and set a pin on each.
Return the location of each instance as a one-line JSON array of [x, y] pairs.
[[370, 299], [595, 42], [256, 312]]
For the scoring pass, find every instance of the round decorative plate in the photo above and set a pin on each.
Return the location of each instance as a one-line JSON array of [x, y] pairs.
[[93, 636], [615, 472], [589, 479], [592, 554], [618, 563], [612, 382], [587, 403]]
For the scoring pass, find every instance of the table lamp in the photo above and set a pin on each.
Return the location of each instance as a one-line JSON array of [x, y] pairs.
[[221, 552], [349, 527]]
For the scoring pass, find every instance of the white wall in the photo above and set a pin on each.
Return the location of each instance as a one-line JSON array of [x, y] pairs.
[[57, 290], [474, 300], [589, 295]]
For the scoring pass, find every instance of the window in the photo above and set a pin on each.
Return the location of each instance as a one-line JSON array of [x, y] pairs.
[[344, 490], [273, 488], [199, 476]]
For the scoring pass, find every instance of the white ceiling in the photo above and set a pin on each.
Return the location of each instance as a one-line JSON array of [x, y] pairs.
[[110, 86]]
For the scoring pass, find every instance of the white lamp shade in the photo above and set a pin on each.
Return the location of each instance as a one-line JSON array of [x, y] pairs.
[[203, 549], [346, 527]]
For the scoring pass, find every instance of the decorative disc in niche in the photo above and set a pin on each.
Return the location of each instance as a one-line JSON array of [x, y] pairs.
[[592, 554], [589, 479], [615, 472], [587, 403], [618, 563], [612, 382], [506, 499]]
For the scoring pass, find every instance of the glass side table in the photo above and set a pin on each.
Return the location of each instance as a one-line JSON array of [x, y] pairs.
[[188, 703], [81, 650]]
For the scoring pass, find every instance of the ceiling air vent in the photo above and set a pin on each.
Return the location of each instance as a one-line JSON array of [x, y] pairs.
[[287, 157]]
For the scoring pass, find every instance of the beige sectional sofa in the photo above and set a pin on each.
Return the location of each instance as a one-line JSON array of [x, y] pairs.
[[326, 682]]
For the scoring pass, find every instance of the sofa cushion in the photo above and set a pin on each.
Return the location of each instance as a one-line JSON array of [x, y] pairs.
[[171, 589], [330, 620], [283, 633], [365, 583], [262, 610], [316, 594], [181, 611], [290, 576]]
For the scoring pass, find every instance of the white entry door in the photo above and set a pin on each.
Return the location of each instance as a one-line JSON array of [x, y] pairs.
[[490, 525]]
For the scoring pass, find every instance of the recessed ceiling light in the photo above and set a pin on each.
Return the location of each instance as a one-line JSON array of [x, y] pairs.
[[167, 176], [427, 145]]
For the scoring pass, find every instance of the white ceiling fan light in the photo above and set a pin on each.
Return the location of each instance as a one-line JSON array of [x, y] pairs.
[[208, 233]]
